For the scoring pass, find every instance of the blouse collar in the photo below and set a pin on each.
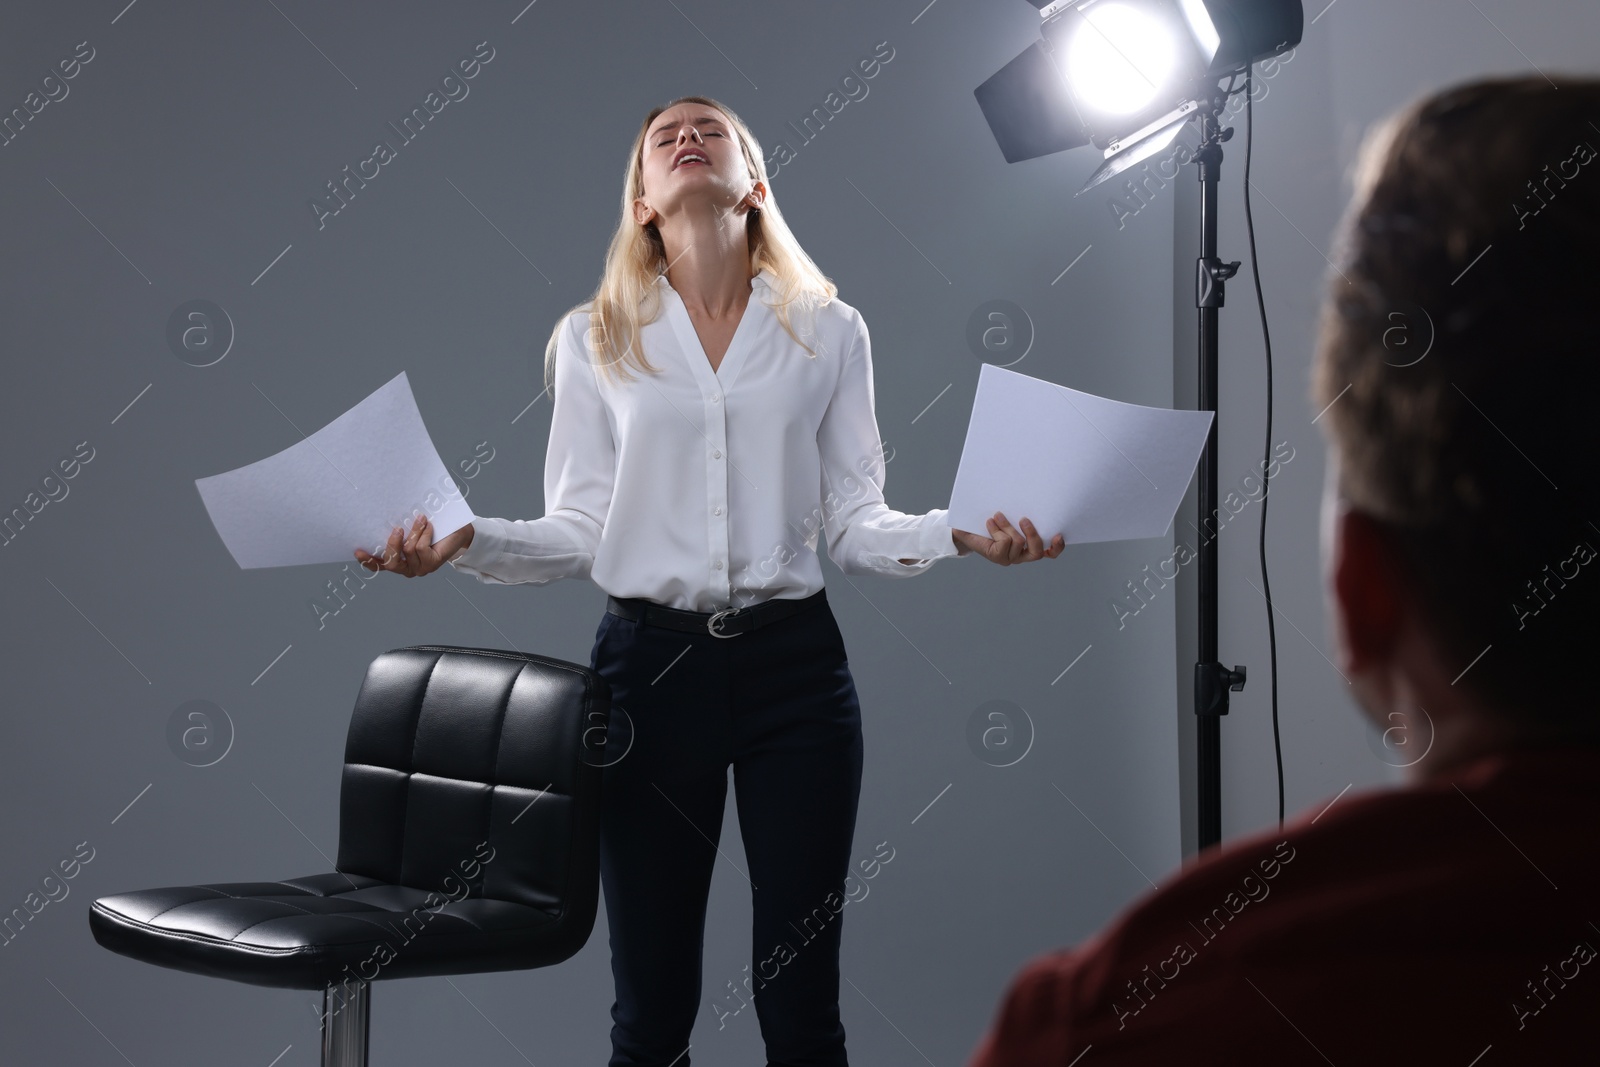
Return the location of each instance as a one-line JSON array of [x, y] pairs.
[[763, 277]]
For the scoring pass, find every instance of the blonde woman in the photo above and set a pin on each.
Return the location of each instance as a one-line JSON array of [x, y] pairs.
[[713, 416]]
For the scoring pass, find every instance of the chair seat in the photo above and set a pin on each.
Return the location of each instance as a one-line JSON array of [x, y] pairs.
[[307, 933]]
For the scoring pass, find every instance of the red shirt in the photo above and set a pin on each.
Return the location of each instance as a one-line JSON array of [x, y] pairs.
[[1436, 923]]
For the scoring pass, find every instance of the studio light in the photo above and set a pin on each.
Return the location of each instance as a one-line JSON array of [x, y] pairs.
[[1127, 76], [1121, 58], [1114, 72]]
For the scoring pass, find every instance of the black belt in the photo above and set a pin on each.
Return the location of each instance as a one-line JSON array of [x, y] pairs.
[[723, 623]]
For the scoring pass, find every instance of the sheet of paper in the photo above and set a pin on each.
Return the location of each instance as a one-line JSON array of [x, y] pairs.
[[346, 486], [1083, 466]]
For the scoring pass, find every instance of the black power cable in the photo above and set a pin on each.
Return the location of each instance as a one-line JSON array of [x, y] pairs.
[[1266, 336]]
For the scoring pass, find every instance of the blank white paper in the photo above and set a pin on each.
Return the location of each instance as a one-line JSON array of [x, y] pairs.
[[347, 486], [1077, 464]]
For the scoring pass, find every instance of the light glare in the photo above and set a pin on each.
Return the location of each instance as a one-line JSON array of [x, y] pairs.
[[1205, 31], [1119, 58]]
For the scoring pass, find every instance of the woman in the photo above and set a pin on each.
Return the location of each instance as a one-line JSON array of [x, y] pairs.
[[694, 493]]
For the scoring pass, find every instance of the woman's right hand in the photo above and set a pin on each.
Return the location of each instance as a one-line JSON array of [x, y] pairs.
[[1006, 546], [416, 555]]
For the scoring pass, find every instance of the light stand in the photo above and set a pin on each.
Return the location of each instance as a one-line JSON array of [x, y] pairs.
[[1212, 681], [1129, 94]]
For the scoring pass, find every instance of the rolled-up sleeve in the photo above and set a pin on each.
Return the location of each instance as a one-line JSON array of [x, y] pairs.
[[579, 475], [864, 535]]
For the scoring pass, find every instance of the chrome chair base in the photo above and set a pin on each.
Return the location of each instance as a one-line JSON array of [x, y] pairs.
[[346, 1023]]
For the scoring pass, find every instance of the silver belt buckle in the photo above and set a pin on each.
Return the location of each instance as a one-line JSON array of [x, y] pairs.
[[714, 623]]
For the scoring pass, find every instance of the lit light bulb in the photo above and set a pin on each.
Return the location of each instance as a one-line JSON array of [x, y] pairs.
[[1119, 58]]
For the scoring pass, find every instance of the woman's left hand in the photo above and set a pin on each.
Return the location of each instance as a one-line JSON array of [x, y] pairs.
[[1005, 545]]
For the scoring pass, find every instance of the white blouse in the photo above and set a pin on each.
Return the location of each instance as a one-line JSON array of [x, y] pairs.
[[704, 489]]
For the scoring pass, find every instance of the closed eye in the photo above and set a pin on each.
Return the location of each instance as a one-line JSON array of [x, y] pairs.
[[670, 140]]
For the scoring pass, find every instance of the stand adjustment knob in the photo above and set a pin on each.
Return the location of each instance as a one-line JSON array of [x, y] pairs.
[[1212, 681]]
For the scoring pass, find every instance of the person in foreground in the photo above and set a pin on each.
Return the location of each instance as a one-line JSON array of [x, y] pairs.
[[1455, 919]]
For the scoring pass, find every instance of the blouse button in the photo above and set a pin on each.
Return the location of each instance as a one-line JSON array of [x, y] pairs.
[[716, 398], [718, 564], [715, 454], [717, 510]]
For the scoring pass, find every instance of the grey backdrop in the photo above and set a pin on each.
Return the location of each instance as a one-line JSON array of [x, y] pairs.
[[179, 166]]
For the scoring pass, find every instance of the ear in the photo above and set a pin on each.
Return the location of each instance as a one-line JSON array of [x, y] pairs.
[[641, 211], [1368, 589]]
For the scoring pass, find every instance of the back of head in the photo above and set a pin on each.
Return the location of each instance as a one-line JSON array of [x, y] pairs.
[[1458, 351]]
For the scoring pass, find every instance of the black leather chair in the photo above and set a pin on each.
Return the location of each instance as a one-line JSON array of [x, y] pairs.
[[468, 842]]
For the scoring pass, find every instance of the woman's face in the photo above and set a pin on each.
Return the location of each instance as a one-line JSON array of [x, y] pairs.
[[670, 186]]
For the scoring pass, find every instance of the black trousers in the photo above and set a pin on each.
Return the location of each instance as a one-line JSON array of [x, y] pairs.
[[779, 705]]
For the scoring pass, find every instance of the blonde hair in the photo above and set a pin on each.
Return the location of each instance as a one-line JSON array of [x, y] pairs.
[[628, 296]]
